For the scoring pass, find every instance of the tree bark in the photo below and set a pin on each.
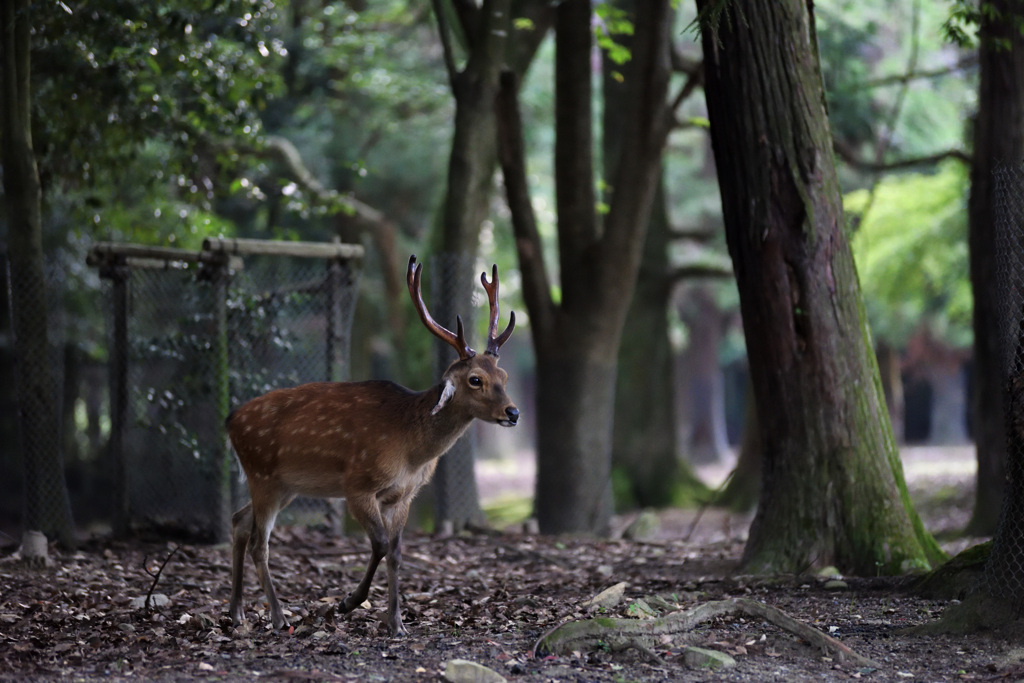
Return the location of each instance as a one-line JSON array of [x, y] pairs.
[[998, 139], [472, 162], [46, 500], [576, 339], [833, 491]]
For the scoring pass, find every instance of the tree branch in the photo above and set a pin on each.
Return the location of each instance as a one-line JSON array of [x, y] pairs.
[[512, 156], [966, 62], [695, 79], [847, 154], [701, 270], [443, 31]]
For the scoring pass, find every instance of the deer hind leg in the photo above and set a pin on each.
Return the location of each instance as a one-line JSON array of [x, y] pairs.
[[367, 513], [241, 530], [395, 519], [264, 513]]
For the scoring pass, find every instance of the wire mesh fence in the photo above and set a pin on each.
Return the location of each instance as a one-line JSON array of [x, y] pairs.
[[193, 335], [1004, 572], [36, 329]]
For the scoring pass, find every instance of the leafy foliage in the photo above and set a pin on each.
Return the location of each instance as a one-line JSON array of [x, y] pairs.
[[911, 253]]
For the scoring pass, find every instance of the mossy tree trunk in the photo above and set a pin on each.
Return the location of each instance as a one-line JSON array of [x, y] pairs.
[[998, 139], [833, 491]]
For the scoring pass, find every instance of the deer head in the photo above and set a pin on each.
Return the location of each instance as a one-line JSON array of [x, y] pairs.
[[477, 379]]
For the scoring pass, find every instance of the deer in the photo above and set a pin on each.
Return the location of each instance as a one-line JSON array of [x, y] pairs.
[[374, 443]]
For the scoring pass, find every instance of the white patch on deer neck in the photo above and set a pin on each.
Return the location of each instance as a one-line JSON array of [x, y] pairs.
[[446, 395]]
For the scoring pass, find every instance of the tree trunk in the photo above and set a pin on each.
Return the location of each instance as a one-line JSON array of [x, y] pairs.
[[706, 441], [890, 368], [645, 450], [833, 491], [472, 161], [998, 139], [46, 500], [743, 489], [949, 404], [576, 339]]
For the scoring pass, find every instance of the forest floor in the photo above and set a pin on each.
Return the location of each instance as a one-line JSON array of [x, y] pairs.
[[486, 598]]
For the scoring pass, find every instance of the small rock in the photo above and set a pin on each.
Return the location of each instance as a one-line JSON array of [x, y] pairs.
[[835, 585], [701, 658], [645, 527], [607, 598], [641, 609], [465, 671], [155, 600], [127, 628]]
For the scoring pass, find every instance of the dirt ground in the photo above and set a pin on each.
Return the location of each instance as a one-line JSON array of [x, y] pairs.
[[486, 598]]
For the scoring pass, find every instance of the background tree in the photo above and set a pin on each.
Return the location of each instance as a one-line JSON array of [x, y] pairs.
[[492, 43], [911, 252], [833, 490], [47, 508], [649, 470], [998, 140], [576, 336]]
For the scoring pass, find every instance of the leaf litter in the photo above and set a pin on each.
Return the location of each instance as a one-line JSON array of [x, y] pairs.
[[153, 610]]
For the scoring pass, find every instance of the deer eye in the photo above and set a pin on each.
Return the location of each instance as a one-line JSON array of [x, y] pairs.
[[475, 381]]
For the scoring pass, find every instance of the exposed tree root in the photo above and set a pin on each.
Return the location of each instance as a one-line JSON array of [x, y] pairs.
[[622, 634]]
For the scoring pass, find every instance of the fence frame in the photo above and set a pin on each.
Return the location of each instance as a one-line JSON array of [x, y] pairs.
[[217, 260]]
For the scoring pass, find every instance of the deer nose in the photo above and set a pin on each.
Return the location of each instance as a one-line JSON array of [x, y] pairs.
[[513, 414]]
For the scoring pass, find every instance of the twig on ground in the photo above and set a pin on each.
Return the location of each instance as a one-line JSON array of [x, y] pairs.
[[156, 575]]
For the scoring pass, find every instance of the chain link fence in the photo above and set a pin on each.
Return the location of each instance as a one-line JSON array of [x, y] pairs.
[[1004, 572], [192, 335], [32, 427]]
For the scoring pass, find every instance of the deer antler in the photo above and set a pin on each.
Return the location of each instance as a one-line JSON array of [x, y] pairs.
[[456, 340], [494, 342]]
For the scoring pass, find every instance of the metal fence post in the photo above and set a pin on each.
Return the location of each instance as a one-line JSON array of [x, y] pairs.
[[121, 514], [222, 400]]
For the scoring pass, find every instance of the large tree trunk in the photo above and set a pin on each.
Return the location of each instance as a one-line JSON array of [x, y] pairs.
[[833, 491], [472, 162], [577, 338], [998, 139], [46, 501]]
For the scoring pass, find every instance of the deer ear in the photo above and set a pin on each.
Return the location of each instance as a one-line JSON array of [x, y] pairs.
[[446, 395]]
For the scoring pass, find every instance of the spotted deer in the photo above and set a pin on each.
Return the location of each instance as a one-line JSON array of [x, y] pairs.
[[374, 443]]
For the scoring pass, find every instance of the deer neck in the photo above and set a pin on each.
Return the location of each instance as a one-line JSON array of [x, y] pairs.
[[442, 428]]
